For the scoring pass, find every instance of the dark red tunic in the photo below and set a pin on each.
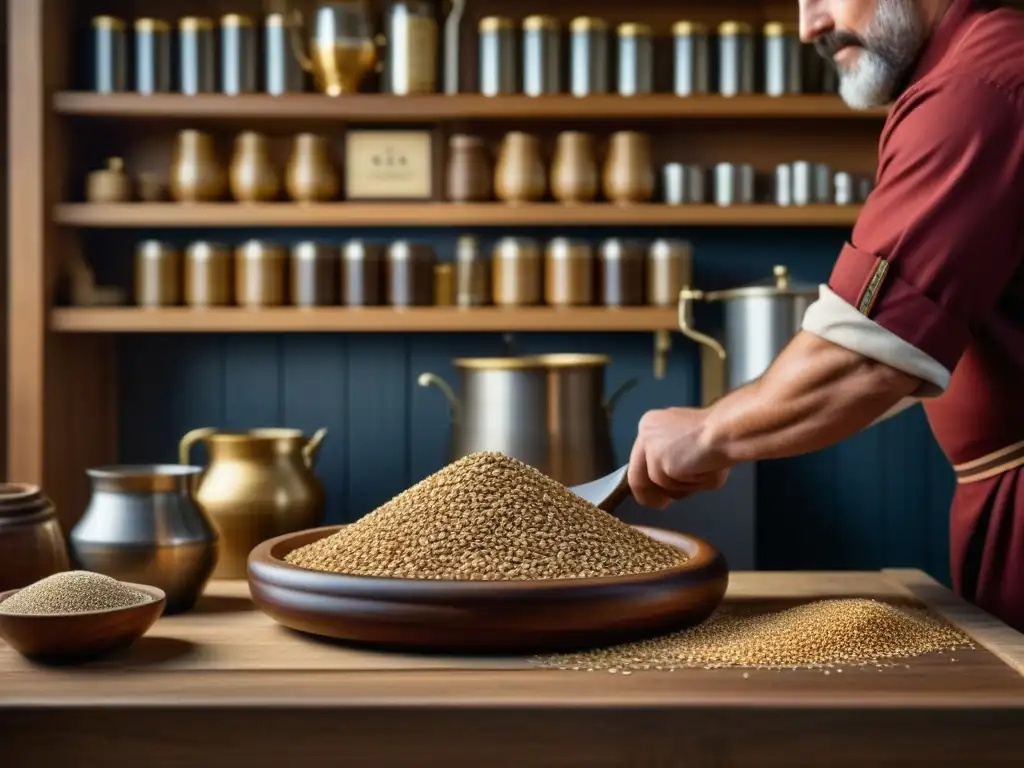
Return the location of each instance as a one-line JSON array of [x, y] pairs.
[[937, 257]]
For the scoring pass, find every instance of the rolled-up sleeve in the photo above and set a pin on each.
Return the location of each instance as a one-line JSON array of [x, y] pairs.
[[941, 234]]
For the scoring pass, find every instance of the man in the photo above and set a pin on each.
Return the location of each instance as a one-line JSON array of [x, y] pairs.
[[926, 301]]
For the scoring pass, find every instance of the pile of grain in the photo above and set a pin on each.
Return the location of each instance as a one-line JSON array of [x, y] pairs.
[[73, 592], [850, 632], [487, 517]]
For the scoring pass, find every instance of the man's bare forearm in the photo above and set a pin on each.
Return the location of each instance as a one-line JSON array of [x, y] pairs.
[[814, 395]]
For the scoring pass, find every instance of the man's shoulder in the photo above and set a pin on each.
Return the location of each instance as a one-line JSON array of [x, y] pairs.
[[990, 51]]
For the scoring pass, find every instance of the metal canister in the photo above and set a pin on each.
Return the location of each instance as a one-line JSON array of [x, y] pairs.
[[864, 188], [472, 274], [209, 275], [314, 279], [542, 56], [735, 58], [152, 56], [669, 270], [261, 270], [409, 270], [157, 274], [197, 71], [517, 273], [412, 48], [683, 184], [783, 59], [444, 285], [621, 273], [237, 54], [362, 274], [110, 57], [782, 183], [691, 58], [569, 278], [734, 184], [282, 71], [498, 74], [636, 59], [589, 56], [812, 183], [845, 188]]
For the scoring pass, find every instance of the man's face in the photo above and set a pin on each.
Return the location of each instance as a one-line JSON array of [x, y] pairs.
[[872, 43]]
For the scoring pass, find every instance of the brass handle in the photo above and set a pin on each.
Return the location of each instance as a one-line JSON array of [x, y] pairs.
[[185, 448], [298, 47], [623, 389], [380, 42], [714, 380], [310, 449]]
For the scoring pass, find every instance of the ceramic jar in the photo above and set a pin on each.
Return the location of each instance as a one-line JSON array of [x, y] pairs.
[[195, 174], [110, 184], [31, 542], [258, 485], [628, 170], [520, 176], [469, 170], [252, 175], [310, 176], [574, 177]]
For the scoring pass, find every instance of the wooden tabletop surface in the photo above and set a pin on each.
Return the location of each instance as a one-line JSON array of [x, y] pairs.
[[228, 656]]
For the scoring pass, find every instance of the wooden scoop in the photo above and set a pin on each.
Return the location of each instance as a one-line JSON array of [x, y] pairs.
[[607, 492]]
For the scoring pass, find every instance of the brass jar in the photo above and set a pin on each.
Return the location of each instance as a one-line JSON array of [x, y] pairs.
[[252, 175], [259, 484], [196, 175], [310, 176]]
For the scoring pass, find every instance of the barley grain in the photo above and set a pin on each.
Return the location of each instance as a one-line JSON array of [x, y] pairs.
[[487, 517], [73, 592], [819, 634]]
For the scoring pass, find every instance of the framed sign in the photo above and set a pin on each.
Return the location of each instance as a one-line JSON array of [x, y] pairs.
[[388, 165]]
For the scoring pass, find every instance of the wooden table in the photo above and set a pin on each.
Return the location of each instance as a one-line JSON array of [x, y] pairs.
[[225, 686]]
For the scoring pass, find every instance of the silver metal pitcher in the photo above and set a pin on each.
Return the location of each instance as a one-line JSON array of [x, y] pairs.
[[548, 411], [760, 320], [143, 526]]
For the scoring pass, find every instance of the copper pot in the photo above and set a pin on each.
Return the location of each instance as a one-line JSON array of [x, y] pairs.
[[520, 176], [628, 171], [31, 542], [574, 168], [195, 174], [259, 484], [310, 176], [252, 175]]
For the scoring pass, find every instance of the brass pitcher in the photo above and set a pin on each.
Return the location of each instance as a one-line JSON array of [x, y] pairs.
[[342, 49], [259, 484]]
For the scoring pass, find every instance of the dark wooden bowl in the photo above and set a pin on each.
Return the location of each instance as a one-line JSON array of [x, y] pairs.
[[70, 638], [486, 616]]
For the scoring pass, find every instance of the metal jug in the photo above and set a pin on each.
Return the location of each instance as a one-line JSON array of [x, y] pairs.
[[259, 484], [548, 411], [760, 320]]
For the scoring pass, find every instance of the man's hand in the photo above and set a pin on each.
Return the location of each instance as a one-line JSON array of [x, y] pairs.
[[671, 460]]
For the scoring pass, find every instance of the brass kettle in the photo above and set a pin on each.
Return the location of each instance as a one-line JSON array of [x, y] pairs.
[[259, 484]]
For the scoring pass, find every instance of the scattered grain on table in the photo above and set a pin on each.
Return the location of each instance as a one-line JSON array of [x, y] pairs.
[[487, 517], [73, 592], [823, 633]]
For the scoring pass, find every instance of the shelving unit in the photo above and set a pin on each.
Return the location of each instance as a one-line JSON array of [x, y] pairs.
[[62, 360], [141, 215], [374, 108], [362, 320]]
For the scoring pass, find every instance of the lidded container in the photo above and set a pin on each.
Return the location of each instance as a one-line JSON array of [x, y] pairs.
[[31, 541], [760, 320]]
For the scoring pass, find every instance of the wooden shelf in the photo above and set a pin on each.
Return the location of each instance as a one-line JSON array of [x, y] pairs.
[[360, 320], [135, 215], [365, 108]]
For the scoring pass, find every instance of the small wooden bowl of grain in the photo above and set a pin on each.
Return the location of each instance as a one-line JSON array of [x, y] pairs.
[[42, 635]]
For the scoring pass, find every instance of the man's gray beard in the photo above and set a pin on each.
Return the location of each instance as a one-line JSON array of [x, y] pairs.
[[894, 39]]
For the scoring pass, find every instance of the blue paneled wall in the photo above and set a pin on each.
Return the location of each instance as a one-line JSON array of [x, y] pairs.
[[877, 500]]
